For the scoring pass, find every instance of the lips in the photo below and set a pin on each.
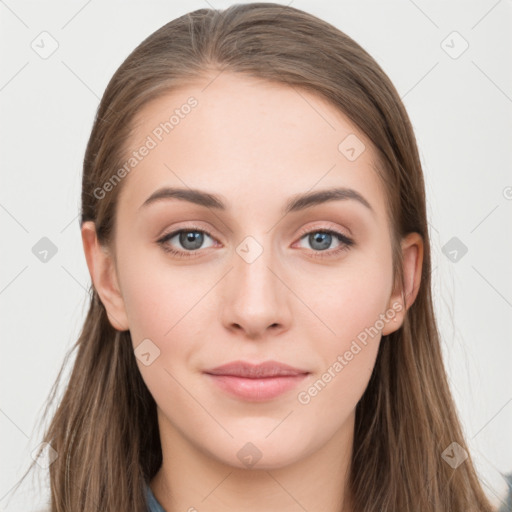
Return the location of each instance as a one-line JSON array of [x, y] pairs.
[[256, 382], [256, 371]]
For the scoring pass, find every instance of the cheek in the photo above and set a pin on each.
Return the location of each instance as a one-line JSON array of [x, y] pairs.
[[163, 307], [346, 361], [352, 304], [162, 320], [348, 299], [158, 297]]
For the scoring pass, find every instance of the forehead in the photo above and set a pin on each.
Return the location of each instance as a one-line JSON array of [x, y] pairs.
[[249, 140]]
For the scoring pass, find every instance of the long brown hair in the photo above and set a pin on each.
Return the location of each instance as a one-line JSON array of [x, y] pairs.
[[105, 429]]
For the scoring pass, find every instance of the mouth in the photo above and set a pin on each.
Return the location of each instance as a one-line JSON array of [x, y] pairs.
[[256, 382]]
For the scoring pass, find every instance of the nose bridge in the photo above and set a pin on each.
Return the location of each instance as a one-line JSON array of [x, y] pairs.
[[256, 299], [253, 261]]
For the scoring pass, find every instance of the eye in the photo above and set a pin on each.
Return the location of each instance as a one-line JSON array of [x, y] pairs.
[[321, 239], [191, 239]]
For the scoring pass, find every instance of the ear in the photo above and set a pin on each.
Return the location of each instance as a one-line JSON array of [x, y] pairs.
[[102, 270], [412, 251]]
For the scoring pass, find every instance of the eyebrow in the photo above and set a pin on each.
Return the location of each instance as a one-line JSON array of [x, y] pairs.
[[296, 203]]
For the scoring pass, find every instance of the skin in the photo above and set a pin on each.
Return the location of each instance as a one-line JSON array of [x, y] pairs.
[[256, 144]]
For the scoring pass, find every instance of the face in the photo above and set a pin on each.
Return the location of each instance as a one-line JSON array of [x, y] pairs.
[[243, 278]]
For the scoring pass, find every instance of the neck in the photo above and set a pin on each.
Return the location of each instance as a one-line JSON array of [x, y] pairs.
[[191, 480]]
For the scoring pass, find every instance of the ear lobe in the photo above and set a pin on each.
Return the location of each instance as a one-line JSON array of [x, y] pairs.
[[102, 270], [412, 255]]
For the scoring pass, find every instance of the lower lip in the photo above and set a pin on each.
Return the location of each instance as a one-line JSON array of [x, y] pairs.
[[257, 390]]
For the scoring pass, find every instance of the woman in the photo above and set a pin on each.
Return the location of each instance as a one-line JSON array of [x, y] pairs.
[[261, 334]]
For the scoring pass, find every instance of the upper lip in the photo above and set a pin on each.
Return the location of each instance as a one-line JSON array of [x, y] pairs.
[[255, 371]]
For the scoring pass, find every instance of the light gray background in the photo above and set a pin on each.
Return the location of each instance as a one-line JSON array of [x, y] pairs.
[[461, 110]]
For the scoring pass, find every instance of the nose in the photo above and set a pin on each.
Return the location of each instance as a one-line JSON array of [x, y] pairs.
[[255, 298]]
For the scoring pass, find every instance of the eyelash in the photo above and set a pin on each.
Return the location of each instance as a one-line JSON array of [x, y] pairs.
[[346, 243]]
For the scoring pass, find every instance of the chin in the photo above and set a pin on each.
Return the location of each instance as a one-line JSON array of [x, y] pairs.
[[264, 455]]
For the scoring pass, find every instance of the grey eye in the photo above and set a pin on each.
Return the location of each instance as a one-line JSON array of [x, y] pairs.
[[320, 240], [188, 239]]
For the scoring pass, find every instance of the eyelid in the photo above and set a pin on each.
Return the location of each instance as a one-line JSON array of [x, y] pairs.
[[193, 226], [324, 226]]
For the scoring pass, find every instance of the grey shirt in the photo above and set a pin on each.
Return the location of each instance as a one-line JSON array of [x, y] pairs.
[[153, 505]]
